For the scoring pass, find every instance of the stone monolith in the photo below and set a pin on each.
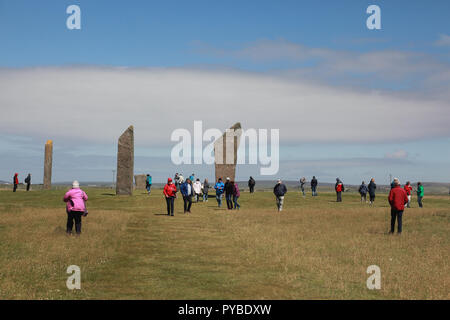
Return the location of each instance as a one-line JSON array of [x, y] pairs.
[[140, 181], [48, 163], [125, 163], [225, 152]]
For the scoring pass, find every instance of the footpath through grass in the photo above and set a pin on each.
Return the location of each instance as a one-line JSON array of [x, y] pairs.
[[315, 249]]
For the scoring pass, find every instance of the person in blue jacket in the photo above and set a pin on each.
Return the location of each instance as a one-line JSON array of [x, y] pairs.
[[187, 191], [148, 183], [219, 186]]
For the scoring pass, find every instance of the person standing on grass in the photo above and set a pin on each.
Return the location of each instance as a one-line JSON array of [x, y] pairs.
[[176, 180], [408, 188], [397, 200], [197, 189], [420, 194], [236, 195], [169, 193], [339, 187], [219, 186], [15, 181], [251, 184], [314, 184], [302, 185], [28, 181], [148, 183], [279, 191], [372, 188], [75, 207], [363, 191], [229, 187], [187, 191], [205, 189]]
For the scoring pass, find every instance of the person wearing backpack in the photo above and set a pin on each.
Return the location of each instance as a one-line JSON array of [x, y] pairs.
[[15, 181], [420, 194], [363, 191], [339, 187], [75, 207], [28, 181]]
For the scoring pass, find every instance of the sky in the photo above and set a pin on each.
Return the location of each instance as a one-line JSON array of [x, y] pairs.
[[349, 102]]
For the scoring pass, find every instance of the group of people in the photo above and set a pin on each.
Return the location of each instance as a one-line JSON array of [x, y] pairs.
[[27, 182], [231, 191], [314, 184]]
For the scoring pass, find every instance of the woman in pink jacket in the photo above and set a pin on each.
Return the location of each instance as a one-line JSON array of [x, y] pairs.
[[75, 207]]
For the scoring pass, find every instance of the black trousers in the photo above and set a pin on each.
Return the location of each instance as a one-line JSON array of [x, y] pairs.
[[372, 197], [339, 196], [170, 203], [15, 187], [71, 217], [229, 200], [252, 189], [187, 203], [396, 215], [28, 186]]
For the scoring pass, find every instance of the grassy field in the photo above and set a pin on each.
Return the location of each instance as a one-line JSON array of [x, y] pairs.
[[315, 249]]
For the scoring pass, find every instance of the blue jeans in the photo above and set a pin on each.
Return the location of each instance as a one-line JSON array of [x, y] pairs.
[[236, 204], [229, 197], [314, 192], [205, 196], [219, 199], [149, 186]]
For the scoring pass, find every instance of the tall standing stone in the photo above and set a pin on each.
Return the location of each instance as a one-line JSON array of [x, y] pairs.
[[225, 152], [140, 181], [125, 163], [48, 162]]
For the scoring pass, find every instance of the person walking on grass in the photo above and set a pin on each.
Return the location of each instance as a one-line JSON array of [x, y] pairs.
[[75, 207], [236, 195], [397, 200], [279, 191], [205, 189], [148, 183], [197, 185], [302, 185], [170, 192], [15, 181], [229, 187], [28, 181], [187, 191], [251, 184], [420, 193], [408, 188], [219, 187], [372, 188], [339, 187], [314, 184], [363, 191]]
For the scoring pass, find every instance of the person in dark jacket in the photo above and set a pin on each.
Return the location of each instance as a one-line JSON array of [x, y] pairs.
[[279, 191], [397, 199], [229, 189], [15, 181], [28, 181], [251, 184], [205, 189], [363, 191], [148, 184], [372, 188], [339, 187], [314, 186], [236, 195], [187, 191]]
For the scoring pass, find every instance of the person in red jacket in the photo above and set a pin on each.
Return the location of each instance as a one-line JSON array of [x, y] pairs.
[[408, 189], [170, 193], [397, 200], [15, 181]]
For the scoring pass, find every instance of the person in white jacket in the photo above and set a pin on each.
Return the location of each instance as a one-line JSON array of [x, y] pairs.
[[197, 189]]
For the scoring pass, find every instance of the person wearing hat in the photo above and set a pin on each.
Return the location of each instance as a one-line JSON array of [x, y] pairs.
[[397, 199], [279, 191], [169, 193], [339, 187], [75, 207]]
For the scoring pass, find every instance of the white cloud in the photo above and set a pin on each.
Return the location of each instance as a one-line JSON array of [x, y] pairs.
[[399, 154], [97, 104], [444, 40]]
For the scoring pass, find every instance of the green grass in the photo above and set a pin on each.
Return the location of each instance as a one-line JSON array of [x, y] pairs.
[[315, 249]]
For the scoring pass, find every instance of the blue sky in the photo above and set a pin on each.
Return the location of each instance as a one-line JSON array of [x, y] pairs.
[[272, 48]]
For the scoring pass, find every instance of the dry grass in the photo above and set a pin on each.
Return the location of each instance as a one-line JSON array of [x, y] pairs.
[[314, 249]]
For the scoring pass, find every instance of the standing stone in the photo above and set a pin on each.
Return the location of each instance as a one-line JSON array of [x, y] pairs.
[[48, 162], [140, 181], [125, 163], [225, 152]]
